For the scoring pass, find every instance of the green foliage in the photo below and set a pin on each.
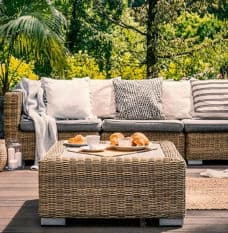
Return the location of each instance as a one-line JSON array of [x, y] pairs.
[[64, 6], [183, 37], [83, 65], [136, 3], [30, 30], [128, 54], [188, 45], [78, 66], [128, 68], [96, 41], [219, 8], [19, 69], [200, 41], [114, 38], [91, 23], [193, 26]]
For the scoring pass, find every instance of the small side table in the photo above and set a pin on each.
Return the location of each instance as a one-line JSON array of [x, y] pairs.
[[3, 154]]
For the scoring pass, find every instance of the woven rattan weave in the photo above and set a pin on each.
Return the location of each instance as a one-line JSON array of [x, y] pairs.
[[112, 187], [3, 154], [207, 146]]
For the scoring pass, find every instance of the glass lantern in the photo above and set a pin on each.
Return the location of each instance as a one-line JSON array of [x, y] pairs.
[[14, 155]]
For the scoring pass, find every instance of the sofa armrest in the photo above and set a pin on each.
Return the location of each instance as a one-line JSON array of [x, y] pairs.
[[12, 114]]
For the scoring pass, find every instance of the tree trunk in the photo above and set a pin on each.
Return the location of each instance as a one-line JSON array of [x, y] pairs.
[[108, 62], [151, 37], [72, 34]]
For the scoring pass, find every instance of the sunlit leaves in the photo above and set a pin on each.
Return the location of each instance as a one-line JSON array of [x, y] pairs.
[[17, 70], [31, 30], [201, 42]]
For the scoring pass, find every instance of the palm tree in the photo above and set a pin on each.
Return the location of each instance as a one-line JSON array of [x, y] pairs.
[[30, 29]]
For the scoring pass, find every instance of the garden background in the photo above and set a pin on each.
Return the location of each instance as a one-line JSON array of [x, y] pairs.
[[102, 39]]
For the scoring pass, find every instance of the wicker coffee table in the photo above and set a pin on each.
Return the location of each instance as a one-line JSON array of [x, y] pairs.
[[112, 187]]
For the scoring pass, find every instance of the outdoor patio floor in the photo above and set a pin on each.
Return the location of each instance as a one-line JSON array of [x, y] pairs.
[[19, 206]]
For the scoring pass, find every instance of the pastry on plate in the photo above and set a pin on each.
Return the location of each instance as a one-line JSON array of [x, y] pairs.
[[114, 138], [139, 139], [78, 139]]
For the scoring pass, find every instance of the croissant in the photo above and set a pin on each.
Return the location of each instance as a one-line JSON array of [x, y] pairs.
[[114, 138], [139, 139], [78, 139]]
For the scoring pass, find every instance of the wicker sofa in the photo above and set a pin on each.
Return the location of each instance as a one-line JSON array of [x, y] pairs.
[[194, 139]]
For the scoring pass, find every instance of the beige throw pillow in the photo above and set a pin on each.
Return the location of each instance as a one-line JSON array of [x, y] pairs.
[[177, 99], [103, 98]]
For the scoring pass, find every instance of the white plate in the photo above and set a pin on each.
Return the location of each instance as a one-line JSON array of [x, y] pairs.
[[135, 148], [128, 148], [98, 148], [66, 143]]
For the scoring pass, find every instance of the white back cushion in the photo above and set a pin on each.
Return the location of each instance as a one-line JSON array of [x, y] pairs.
[[68, 98], [177, 99], [103, 97]]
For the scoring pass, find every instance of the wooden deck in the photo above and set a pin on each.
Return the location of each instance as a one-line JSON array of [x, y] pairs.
[[19, 205]]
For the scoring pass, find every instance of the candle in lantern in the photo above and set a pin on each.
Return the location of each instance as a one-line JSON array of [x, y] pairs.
[[11, 153], [12, 164], [18, 157]]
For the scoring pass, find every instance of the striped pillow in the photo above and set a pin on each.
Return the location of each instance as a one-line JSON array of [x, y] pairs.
[[210, 98]]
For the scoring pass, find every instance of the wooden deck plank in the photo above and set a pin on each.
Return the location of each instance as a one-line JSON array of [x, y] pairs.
[[9, 203], [19, 211], [113, 229], [207, 213]]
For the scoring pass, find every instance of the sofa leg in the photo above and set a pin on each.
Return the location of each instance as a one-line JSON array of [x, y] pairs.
[[171, 222], [53, 221], [142, 222], [195, 162]]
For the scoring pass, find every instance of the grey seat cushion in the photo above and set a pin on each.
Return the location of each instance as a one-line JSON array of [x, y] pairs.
[[110, 125], [66, 125], [191, 125]]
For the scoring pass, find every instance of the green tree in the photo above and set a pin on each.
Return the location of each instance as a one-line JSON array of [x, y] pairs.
[[219, 8], [128, 53], [30, 30], [91, 24], [166, 45], [151, 13], [201, 43], [157, 12], [169, 34]]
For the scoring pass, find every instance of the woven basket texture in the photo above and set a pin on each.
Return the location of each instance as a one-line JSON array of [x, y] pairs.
[[112, 187], [207, 146], [3, 154]]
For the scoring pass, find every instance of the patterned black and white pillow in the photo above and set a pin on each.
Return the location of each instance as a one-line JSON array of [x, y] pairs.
[[210, 98], [139, 99]]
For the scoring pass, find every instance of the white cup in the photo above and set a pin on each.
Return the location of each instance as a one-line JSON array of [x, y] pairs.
[[92, 141], [125, 142]]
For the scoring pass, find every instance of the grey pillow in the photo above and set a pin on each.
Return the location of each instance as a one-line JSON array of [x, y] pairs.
[[139, 99]]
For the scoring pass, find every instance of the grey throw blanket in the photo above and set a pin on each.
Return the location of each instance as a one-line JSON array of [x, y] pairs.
[[34, 107]]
